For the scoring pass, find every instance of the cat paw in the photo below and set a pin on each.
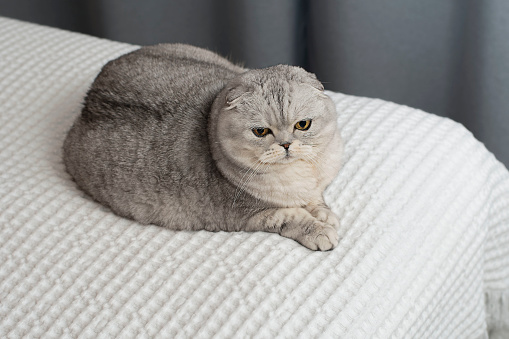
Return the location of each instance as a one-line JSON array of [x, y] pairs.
[[316, 235], [324, 215]]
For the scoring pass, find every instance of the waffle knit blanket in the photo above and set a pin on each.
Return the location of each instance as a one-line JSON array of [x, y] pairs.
[[424, 249]]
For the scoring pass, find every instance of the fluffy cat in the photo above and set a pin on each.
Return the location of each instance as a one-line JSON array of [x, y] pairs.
[[177, 136]]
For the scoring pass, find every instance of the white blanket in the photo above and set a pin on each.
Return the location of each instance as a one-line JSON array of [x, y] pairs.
[[424, 249]]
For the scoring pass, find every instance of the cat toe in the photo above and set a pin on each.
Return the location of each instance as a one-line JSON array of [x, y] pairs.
[[328, 240], [324, 238], [326, 215]]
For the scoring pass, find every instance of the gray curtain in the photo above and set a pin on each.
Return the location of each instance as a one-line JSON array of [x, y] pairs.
[[446, 57]]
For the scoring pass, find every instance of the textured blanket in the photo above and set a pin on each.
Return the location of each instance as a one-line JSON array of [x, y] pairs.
[[424, 236]]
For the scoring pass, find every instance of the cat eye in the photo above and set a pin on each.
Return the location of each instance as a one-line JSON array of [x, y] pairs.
[[261, 132], [303, 125]]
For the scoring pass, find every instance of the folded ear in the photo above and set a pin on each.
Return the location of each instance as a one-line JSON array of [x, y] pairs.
[[312, 80], [305, 77], [234, 94]]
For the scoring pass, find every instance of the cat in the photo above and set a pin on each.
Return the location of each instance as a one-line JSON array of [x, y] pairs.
[[178, 136]]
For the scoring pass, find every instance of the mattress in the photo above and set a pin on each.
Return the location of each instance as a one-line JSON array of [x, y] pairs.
[[424, 235]]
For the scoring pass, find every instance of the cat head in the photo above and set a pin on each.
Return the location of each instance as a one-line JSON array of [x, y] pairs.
[[273, 116]]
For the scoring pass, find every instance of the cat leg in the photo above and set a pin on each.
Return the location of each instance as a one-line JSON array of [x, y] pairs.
[[297, 224], [323, 213]]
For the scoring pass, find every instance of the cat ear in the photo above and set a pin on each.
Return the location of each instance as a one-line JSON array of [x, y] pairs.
[[313, 81], [233, 95]]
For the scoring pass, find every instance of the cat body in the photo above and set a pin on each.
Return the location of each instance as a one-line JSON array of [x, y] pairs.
[[169, 135]]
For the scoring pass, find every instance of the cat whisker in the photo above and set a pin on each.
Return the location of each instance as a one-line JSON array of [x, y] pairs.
[[248, 174], [314, 162], [243, 183], [242, 190]]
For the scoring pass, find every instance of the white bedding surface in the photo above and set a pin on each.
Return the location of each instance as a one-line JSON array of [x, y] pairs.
[[424, 249]]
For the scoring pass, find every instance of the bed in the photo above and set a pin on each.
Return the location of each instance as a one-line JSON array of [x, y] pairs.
[[424, 235]]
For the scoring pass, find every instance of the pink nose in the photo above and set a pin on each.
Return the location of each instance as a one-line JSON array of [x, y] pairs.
[[286, 145]]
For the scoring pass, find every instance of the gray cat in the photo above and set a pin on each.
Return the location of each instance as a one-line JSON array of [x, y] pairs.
[[177, 136]]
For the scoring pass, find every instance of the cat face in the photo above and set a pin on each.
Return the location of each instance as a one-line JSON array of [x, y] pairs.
[[275, 117]]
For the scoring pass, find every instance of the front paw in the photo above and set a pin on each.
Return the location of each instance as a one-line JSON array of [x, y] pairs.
[[314, 234], [324, 214]]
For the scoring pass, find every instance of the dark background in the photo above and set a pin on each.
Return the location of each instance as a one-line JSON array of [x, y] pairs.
[[449, 57]]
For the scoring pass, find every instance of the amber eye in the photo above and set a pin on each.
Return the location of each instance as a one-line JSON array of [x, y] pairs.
[[303, 125], [261, 132]]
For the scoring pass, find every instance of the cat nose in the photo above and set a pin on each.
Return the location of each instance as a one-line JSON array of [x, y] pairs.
[[285, 145]]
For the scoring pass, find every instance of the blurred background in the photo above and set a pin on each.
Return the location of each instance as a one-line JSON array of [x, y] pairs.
[[449, 58]]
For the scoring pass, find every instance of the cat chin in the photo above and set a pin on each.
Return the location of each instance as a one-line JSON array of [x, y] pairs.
[[284, 161], [287, 160], [281, 161]]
